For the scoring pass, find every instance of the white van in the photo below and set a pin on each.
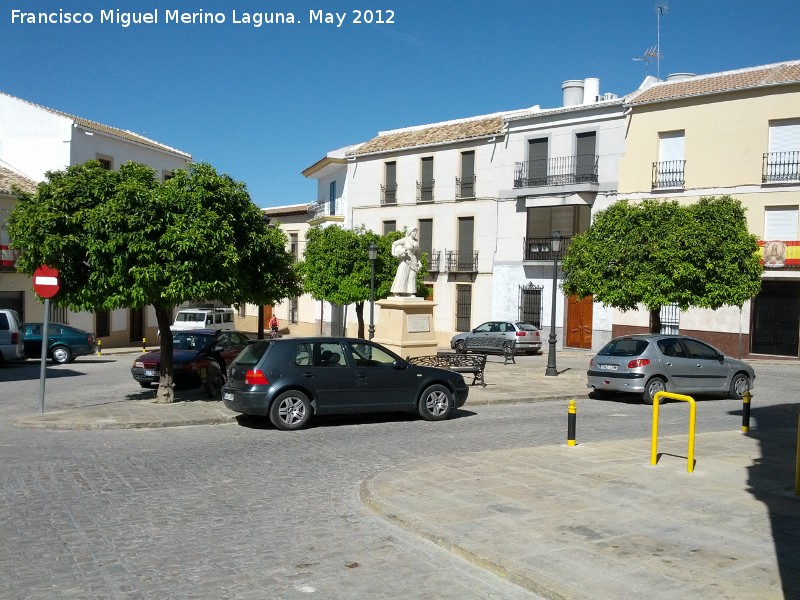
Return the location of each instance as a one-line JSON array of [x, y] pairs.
[[203, 318], [11, 347]]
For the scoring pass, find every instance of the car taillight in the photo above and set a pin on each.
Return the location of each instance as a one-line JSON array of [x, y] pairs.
[[638, 362], [255, 377], [15, 338], [520, 333]]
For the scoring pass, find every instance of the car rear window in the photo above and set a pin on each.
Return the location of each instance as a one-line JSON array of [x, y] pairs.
[[252, 353], [526, 326], [624, 347]]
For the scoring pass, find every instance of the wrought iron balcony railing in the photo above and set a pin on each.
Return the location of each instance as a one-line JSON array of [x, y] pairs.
[[326, 208], [425, 191], [566, 170], [465, 187], [668, 175], [779, 167], [389, 193], [434, 262], [539, 248], [462, 262]]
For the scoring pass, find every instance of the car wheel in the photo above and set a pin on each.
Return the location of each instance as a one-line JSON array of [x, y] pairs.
[[145, 384], [290, 411], [436, 403], [739, 385], [655, 385], [61, 354], [461, 346], [215, 379]]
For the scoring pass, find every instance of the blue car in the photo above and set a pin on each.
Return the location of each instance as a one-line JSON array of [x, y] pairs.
[[64, 343]]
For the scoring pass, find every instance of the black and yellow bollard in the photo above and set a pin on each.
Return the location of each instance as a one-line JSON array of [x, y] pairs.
[[746, 397], [144, 345], [571, 417], [99, 347]]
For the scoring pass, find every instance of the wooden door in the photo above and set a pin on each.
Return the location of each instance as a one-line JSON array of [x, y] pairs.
[[579, 322], [267, 316]]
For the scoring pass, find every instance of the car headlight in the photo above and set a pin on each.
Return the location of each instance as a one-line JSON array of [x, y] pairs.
[[137, 364]]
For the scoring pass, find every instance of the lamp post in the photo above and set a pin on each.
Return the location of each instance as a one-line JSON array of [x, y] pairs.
[[373, 254], [555, 248]]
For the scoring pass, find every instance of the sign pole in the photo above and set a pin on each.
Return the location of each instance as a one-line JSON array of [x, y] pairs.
[[45, 327]]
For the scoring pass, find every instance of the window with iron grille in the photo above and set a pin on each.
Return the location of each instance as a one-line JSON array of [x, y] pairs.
[[389, 226], [102, 323], [14, 301], [463, 307], [58, 314], [107, 162], [530, 304], [465, 185], [670, 318], [293, 310]]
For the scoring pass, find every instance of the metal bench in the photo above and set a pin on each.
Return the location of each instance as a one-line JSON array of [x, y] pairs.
[[506, 347], [460, 363]]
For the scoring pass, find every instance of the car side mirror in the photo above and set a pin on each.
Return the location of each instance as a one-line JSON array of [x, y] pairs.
[[398, 364]]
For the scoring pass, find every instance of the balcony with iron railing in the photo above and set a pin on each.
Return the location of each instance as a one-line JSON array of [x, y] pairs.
[[465, 186], [425, 191], [389, 193], [434, 262], [668, 175], [324, 207], [462, 262], [567, 170], [781, 167], [539, 248]]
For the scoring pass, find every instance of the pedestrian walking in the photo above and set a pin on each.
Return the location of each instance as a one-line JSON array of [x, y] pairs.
[[273, 325]]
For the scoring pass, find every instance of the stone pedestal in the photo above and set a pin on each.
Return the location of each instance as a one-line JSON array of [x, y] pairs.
[[406, 326]]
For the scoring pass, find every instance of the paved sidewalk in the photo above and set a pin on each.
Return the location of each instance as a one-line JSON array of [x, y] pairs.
[[596, 521]]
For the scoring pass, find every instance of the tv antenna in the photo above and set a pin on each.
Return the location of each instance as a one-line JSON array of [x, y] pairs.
[[648, 55], [661, 9]]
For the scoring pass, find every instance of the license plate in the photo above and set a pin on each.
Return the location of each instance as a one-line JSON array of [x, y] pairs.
[[149, 373], [608, 367], [228, 396]]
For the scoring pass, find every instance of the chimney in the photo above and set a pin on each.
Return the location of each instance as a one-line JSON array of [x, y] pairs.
[[591, 90]]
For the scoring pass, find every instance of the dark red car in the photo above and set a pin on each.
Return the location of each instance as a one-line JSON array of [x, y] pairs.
[[192, 350]]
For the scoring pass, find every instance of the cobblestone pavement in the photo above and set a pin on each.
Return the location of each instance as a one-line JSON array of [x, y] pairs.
[[244, 511]]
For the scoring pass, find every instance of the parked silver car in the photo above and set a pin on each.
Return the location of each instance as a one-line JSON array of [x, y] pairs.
[[650, 363], [492, 336], [12, 349]]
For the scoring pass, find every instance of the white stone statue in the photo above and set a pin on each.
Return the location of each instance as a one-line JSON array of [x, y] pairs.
[[407, 250]]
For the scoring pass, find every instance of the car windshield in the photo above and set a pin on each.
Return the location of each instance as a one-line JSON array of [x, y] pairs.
[[252, 354], [191, 341], [624, 347], [526, 326]]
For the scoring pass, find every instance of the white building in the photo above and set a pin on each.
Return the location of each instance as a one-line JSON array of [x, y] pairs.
[[35, 139], [485, 194]]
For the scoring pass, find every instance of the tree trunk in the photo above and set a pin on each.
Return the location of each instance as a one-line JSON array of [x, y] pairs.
[[360, 316], [655, 320], [166, 382], [260, 334]]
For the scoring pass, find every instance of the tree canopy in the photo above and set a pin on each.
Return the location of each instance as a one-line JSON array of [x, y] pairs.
[[122, 239], [336, 267], [656, 253]]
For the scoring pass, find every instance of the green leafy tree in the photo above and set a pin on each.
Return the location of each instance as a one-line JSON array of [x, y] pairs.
[[336, 267], [121, 239], [656, 253]]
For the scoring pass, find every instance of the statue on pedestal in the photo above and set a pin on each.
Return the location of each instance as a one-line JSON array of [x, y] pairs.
[[407, 250]]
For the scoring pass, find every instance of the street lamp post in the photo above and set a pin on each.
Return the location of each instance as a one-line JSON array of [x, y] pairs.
[[373, 254], [555, 248]]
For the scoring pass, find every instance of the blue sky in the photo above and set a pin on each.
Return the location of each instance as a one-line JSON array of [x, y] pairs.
[[263, 103]]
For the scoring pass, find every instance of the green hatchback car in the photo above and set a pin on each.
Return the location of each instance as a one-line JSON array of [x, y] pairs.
[[64, 343]]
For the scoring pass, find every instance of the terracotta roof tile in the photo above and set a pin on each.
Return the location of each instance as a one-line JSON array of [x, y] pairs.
[[715, 83], [433, 134], [8, 178]]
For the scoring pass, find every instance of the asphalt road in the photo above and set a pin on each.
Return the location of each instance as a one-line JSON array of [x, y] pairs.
[[245, 511]]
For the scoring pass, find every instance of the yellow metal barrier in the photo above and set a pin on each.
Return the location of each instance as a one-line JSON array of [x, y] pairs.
[[692, 420], [99, 347]]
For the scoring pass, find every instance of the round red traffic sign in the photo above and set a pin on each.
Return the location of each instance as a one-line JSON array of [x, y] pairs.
[[46, 282]]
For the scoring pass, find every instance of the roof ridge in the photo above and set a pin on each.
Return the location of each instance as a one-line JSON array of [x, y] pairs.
[[102, 127]]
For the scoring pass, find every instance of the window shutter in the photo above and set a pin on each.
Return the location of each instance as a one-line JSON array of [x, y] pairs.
[[784, 137], [670, 146], [780, 224]]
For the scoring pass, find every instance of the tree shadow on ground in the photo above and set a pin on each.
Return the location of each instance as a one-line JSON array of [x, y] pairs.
[[771, 479]]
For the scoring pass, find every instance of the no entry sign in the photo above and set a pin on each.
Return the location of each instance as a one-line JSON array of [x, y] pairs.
[[46, 282]]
